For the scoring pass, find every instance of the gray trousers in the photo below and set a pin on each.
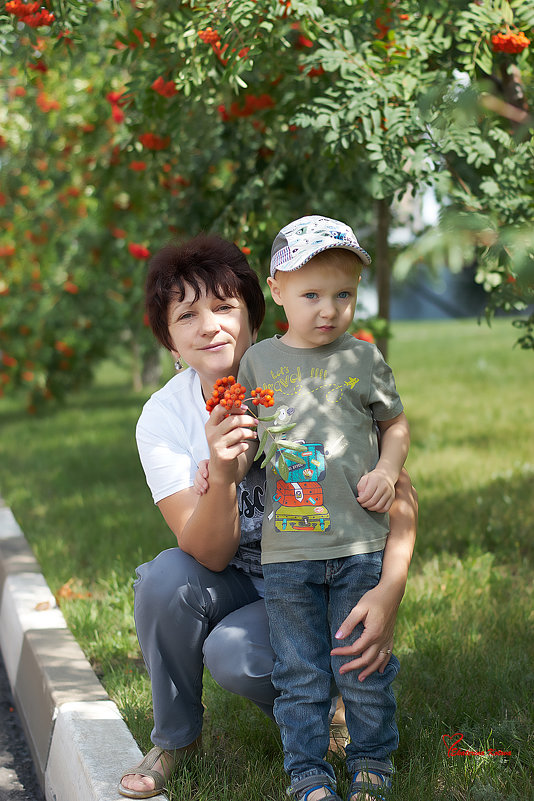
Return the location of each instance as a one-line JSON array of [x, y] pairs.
[[188, 617]]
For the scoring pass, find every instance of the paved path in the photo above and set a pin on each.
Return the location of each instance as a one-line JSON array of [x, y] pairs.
[[18, 780], [76, 735]]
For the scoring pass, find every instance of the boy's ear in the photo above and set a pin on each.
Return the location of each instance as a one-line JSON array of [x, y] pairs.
[[275, 290]]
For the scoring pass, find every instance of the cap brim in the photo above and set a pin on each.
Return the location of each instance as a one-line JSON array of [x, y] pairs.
[[296, 263]]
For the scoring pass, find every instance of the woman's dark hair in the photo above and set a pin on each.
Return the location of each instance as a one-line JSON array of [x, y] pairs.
[[205, 262]]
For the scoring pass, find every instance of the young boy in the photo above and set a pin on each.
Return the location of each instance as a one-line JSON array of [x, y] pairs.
[[325, 523]]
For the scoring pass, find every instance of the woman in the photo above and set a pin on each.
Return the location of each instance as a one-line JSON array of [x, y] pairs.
[[201, 604]]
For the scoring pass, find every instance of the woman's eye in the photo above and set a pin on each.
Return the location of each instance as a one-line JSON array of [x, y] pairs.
[[185, 316]]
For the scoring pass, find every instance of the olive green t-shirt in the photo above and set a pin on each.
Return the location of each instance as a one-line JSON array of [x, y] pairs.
[[332, 394]]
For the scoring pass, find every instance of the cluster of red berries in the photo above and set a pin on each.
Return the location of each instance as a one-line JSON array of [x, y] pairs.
[[30, 13], [263, 397], [252, 104], [226, 392], [154, 142], [230, 394], [209, 36], [509, 42], [164, 88]]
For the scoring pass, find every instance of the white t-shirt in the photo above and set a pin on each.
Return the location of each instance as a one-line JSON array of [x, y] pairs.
[[170, 435], [171, 441]]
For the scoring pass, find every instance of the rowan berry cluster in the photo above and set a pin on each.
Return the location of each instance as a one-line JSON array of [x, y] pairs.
[[230, 394], [509, 42], [226, 392], [263, 397], [153, 141], [209, 36], [30, 13]]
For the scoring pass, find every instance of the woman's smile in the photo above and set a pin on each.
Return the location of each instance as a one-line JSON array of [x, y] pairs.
[[215, 346]]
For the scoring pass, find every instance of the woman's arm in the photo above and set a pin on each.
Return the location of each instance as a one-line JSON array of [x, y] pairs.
[[377, 609], [208, 527]]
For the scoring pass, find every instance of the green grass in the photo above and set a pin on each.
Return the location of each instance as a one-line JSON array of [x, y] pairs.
[[464, 635]]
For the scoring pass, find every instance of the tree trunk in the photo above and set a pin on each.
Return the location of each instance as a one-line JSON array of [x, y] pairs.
[[151, 372], [146, 368], [137, 382], [382, 267]]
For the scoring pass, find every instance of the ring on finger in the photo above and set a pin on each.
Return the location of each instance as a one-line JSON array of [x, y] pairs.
[[385, 652]]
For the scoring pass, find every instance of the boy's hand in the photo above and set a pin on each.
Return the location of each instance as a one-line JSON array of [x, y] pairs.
[[200, 482], [376, 491]]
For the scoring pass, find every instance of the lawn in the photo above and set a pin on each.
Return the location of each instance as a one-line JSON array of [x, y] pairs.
[[464, 635]]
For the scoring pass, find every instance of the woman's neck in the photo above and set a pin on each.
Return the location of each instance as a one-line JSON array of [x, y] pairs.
[[206, 386]]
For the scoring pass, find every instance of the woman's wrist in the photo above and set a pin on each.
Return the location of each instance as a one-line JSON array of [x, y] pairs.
[[394, 584]]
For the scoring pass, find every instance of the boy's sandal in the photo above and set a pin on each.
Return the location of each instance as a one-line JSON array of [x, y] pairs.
[[361, 788], [146, 768], [330, 797]]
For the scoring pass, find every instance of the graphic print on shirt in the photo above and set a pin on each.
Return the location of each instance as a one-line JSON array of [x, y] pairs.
[[299, 491], [291, 383], [301, 498]]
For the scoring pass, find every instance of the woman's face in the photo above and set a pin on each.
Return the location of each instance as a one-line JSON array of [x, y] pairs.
[[210, 334]]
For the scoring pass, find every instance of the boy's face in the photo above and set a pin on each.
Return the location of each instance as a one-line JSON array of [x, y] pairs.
[[319, 300]]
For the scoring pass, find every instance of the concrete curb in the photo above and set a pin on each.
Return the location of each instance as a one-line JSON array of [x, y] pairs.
[[78, 740]]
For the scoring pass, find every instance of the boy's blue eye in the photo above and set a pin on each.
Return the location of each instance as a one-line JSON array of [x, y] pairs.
[[344, 294], [310, 295]]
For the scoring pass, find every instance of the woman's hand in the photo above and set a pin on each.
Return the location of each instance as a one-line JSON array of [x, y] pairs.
[[229, 437], [377, 610]]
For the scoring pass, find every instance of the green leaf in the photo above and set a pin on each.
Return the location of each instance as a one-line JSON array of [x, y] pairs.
[[294, 446], [269, 455], [281, 429], [283, 468], [507, 13], [261, 446], [292, 457]]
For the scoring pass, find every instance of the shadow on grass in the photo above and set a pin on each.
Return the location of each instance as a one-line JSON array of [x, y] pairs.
[[498, 518]]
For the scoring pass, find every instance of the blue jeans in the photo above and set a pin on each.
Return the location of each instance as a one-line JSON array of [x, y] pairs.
[[306, 603]]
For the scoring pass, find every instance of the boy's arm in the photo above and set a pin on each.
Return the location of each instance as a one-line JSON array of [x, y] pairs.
[[376, 489]]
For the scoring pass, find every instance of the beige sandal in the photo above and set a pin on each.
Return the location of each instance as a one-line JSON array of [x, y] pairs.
[[339, 734], [339, 739], [146, 768]]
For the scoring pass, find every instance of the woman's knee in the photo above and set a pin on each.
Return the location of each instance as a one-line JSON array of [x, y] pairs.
[[238, 653], [158, 580]]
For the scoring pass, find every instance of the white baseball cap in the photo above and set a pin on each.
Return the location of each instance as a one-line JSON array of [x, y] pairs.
[[304, 238]]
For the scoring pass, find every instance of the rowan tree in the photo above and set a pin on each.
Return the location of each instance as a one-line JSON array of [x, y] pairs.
[[128, 123]]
